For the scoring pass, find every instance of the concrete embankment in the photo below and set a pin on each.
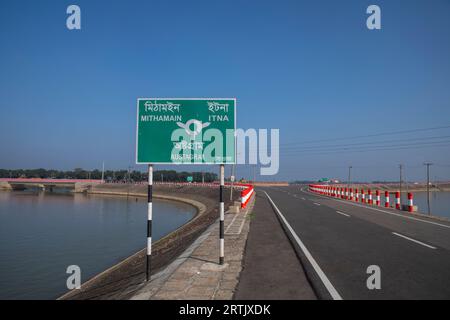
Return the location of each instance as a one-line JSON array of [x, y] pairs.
[[124, 279]]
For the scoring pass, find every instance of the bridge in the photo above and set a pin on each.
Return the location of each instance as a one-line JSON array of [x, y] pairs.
[[46, 184]]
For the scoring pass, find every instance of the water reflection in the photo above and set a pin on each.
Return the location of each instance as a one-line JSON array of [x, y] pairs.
[[42, 233]]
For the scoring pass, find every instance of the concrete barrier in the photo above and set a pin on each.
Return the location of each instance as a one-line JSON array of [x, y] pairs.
[[351, 194], [246, 195]]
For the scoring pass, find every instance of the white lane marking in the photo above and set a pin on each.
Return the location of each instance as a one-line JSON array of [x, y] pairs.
[[317, 204], [391, 213], [344, 214], [413, 240], [334, 294], [303, 198]]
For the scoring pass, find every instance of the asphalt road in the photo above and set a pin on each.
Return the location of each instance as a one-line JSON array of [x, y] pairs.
[[337, 241]]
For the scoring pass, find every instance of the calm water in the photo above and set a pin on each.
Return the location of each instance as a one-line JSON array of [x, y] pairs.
[[43, 233], [439, 203]]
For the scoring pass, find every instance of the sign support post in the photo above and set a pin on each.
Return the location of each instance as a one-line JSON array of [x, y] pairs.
[[222, 214], [149, 222]]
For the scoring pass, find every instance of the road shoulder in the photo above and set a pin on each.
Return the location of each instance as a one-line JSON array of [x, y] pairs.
[[271, 269]]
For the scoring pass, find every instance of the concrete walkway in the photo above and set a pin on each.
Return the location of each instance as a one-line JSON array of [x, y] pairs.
[[271, 269], [196, 274]]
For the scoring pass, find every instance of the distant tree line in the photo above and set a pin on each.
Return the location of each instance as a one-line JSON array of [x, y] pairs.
[[109, 175]]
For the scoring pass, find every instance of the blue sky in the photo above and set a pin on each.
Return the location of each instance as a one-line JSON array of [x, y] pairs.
[[310, 68]]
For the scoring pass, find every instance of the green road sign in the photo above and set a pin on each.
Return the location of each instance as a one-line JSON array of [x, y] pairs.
[[186, 131], [189, 179]]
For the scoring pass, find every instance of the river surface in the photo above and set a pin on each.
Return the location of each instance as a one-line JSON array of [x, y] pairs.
[[439, 203], [41, 234]]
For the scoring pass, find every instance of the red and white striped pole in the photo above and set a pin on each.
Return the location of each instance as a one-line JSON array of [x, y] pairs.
[[351, 194], [356, 195], [363, 196], [397, 200], [386, 197], [369, 193], [346, 193], [410, 202], [378, 197]]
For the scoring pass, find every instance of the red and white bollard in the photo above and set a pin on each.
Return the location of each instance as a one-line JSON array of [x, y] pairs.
[[369, 194], [351, 194], [377, 193], [397, 200], [410, 202], [356, 195], [363, 196], [386, 197]]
